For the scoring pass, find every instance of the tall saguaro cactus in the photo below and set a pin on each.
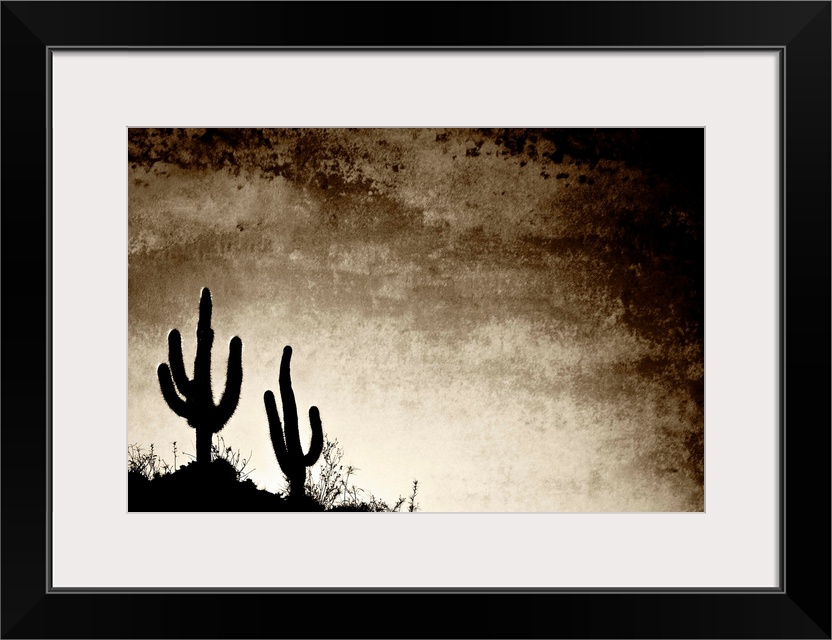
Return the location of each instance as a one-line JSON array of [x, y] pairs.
[[288, 450], [198, 406]]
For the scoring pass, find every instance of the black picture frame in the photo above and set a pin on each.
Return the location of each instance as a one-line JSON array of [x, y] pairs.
[[799, 31]]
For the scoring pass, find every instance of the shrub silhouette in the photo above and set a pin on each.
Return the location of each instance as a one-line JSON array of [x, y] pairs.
[[288, 450], [224, 485], [198, 406]]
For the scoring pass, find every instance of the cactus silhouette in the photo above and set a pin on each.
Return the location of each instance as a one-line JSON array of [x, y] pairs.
[[289, 453], [198, 406]]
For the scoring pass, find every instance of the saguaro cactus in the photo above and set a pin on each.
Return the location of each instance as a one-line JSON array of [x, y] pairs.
[[288, 450], [198, 406]]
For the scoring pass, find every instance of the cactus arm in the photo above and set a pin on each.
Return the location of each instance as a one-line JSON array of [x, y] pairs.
[[177, 404], [177, 362], [276, 433], [234, 382], [317, 444], [290, 408]]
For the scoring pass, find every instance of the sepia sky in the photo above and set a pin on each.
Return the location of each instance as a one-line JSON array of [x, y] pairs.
[[512, 317]]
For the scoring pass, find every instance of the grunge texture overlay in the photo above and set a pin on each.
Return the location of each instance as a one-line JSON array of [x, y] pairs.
[[514, 317]]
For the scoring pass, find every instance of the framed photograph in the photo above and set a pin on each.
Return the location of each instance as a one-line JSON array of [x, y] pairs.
[[512, 305]]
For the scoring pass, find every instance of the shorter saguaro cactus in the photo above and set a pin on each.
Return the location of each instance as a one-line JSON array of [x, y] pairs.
[[198, 406], [288, 449]]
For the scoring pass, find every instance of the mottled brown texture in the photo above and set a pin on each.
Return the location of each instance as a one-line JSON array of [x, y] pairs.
[[514, 317]]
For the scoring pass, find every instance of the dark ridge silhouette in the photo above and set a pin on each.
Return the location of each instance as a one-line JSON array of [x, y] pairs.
[[288, 450], [212, 486], [223, 485], [198, 406]]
